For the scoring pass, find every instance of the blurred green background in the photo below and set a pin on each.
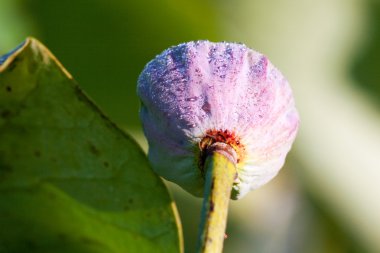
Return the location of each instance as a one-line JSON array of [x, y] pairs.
[[327, 198]]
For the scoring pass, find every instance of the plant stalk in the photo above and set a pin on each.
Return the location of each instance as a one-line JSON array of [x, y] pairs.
[[220, 172]]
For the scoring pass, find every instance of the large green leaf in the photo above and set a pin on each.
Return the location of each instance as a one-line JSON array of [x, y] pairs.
[[70, 180]]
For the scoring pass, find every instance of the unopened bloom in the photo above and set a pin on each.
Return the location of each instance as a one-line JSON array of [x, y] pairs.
[[199, 93]]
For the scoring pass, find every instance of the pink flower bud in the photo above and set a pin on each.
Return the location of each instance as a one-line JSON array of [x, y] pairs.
[[199, 93]]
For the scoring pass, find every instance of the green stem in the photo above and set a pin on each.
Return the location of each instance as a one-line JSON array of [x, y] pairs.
[[220, 172]]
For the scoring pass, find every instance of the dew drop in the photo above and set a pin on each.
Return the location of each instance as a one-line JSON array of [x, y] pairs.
[[180, 89], [206, 107], [192, 99]]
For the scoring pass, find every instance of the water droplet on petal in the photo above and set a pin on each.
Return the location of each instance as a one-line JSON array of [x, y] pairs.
[[192, 99], [206, 107]]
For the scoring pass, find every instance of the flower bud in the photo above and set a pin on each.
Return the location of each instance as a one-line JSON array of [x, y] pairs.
[[199, 93]]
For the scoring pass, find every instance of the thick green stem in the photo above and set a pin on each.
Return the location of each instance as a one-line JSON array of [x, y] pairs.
[[220, 172]]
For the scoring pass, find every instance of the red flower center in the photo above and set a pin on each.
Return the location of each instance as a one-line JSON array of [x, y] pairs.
[[225, 136]]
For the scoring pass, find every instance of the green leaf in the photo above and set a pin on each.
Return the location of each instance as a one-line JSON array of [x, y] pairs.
[[70, 180]]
